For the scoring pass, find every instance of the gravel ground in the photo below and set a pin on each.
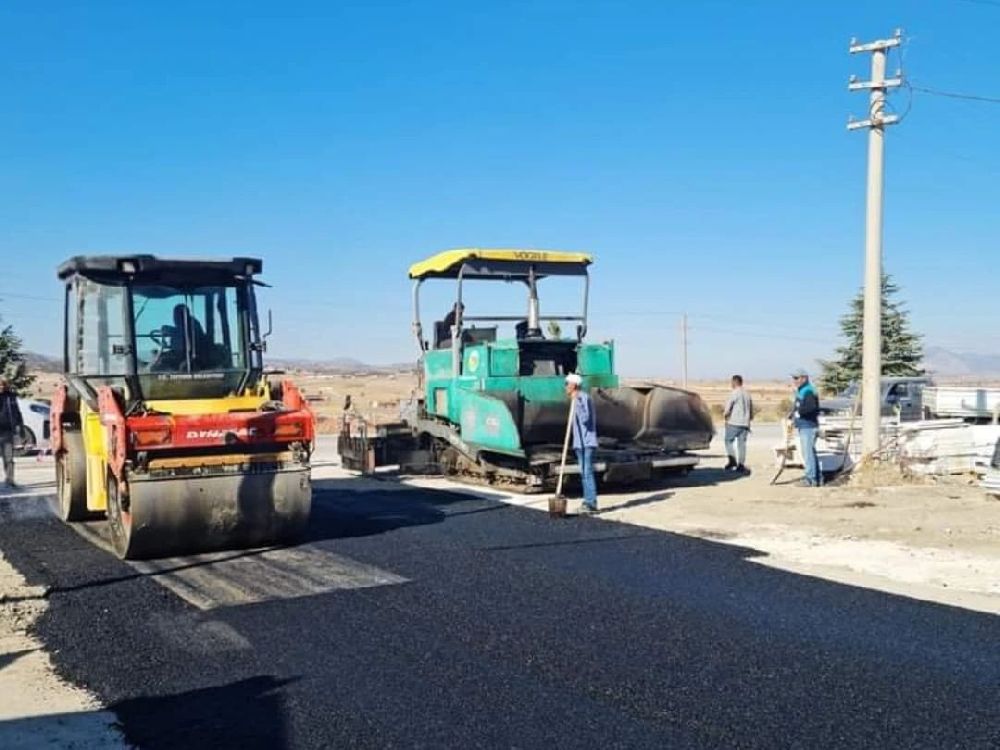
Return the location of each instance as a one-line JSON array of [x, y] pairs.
[[38, 709]]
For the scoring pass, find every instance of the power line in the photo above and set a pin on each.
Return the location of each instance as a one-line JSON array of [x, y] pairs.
[[29, 296], [52, 315], [991, 3], [955, 94], [909, 99], [753, 322], [768, 336]]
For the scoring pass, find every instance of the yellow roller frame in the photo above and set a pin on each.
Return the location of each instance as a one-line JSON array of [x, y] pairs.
[[95, 436]]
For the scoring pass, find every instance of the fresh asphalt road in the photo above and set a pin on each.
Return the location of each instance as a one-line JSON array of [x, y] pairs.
[[431, 619]]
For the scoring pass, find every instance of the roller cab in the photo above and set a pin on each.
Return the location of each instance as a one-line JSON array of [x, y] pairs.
[[165, 423]]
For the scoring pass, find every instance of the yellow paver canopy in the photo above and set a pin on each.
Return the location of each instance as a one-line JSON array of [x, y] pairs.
[[479, 262]]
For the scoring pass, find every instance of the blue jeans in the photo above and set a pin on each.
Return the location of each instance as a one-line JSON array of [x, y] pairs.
[[737, 434], [807, 439], [585, 459], [7, 456]]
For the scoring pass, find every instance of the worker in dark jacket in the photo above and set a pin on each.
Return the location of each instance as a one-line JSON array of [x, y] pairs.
[[805, 416], [11, 426], [584, 438]]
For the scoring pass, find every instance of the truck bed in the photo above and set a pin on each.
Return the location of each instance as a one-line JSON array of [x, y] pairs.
[[965, 402]]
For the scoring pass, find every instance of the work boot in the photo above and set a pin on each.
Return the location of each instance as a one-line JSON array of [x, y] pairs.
[[742, 469], [730, 464]]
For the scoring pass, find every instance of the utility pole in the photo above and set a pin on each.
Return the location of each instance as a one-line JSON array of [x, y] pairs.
[[877, 120], [684, 348]]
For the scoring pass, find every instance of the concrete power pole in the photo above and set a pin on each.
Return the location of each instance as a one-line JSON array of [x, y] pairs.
[[684, 349], [871, 380]]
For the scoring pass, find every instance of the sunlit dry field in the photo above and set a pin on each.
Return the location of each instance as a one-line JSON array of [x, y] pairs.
[[377, 395]]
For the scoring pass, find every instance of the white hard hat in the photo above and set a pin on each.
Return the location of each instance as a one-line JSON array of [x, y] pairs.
[[574, 379]]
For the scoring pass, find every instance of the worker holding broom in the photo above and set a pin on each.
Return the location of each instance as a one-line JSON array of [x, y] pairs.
[[805, 416], [584, 438]]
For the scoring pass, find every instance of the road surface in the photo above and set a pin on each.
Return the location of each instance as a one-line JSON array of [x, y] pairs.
[[418, 618]]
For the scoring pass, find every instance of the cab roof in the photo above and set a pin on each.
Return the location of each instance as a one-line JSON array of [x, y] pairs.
[[487, 262], [151, 267]]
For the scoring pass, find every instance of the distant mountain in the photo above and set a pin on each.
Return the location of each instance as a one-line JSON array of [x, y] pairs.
[[944, 362], [336, 365], [45, 363], [42, 362]]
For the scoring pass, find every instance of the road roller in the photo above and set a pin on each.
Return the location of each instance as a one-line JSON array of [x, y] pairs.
[[165, 422], [491, 405]]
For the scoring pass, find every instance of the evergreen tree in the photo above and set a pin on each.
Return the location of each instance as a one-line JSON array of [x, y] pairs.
[[12, 363], [902, 350]]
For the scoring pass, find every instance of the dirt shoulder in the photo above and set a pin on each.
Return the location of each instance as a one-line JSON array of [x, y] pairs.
[[936, 542], [38, 709]]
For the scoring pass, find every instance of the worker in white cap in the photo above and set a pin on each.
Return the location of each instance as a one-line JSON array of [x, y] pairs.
[[584, 438]]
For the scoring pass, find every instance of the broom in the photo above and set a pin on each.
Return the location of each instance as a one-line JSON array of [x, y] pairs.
[[557, 503]]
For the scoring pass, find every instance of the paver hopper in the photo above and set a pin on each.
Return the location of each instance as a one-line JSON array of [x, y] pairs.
[[165, 421], [495, 408]]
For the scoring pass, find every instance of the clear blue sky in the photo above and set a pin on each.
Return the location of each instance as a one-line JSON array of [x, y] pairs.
[[697, 149]]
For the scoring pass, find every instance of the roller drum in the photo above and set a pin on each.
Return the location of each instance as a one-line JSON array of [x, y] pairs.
[[175, 515]]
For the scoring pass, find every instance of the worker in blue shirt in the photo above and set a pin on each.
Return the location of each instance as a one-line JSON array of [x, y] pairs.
[[805, 416], [584, 438]]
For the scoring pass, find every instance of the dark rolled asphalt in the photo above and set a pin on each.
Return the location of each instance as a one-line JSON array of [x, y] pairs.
[[502, 628]]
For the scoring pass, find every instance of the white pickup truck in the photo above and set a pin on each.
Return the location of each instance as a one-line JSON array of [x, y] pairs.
[[914, 398]]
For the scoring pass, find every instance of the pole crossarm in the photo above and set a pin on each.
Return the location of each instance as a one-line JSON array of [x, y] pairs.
[[879, 45], [875, 122], [888, 83]]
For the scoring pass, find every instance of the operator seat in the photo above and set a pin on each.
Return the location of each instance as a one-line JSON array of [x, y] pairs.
[[174, 357]]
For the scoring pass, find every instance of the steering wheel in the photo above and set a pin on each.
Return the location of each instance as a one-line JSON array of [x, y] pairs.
[[166, 360], [158, 335]]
